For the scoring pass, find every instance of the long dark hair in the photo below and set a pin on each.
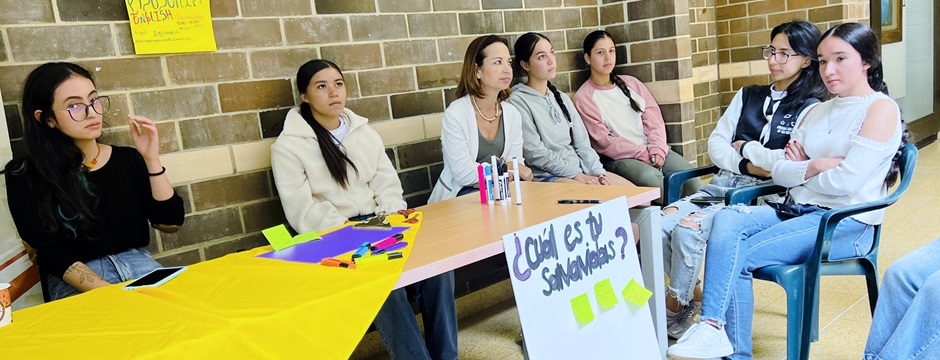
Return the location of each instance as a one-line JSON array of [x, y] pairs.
[[588, 44], [803, 37], [468, 84], [333, 152], [53, 162], [523, 48], [863, 40]]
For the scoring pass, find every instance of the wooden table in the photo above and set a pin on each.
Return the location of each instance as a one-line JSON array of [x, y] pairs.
[[461, 231]]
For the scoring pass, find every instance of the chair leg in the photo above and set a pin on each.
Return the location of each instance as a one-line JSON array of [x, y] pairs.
[[815, 325], [794, 321], [871, 277]]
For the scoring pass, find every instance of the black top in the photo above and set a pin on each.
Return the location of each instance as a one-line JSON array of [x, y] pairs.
[[123, 206]]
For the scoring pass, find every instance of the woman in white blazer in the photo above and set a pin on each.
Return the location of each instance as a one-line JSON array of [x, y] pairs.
[[479, 124]]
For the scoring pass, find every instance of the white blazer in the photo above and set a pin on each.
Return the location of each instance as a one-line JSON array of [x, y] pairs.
[[460, 141]]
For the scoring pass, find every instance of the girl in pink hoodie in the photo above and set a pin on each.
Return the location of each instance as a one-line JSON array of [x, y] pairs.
[[624, 121]]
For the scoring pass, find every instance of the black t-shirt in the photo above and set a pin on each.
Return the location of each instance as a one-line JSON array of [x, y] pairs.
[[122, 203]]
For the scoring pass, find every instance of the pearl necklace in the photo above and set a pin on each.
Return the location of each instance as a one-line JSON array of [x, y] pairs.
[[488, 119]]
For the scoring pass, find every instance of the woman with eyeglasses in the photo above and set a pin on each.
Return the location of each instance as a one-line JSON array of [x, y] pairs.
[[748, 139], [84, 206], [624, 121], [844, 152]]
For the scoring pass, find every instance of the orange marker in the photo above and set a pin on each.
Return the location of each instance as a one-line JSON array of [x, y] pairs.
[[337, 263]]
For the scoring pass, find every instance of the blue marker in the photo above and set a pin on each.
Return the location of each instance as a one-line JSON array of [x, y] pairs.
[[363, 249], [488, 172]]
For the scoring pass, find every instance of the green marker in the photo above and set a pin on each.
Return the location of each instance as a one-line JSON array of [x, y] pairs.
[[377, 258]]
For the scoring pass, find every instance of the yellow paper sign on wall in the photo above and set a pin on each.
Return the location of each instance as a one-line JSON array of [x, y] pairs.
[[171, 26]]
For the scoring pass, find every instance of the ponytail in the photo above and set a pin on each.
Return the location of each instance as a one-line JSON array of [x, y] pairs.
[[626, 91], [876, 79], [334, 154], [895, 168]]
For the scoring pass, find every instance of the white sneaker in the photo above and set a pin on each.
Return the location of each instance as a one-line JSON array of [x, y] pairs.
[[702, 341]]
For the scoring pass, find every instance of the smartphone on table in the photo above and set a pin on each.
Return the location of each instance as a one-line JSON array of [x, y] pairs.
[[156, 277]]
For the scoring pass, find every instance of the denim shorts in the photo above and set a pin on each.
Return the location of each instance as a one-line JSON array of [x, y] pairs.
[[116, 268]]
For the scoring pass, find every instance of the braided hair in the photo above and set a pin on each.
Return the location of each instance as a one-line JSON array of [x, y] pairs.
[[589, 41]]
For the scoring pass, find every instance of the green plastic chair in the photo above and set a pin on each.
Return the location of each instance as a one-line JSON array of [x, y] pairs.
[[801, 281], [672, 186]]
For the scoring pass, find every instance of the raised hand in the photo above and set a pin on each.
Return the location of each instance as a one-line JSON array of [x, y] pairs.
[[146, 138]]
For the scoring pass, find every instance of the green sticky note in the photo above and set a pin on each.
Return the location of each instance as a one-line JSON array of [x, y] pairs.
[[605, 294], [636, 293], [581, 306], [280, 238]]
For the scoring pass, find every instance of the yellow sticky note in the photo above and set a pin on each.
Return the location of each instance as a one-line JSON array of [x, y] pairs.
[[280, 238], [605, 294], [636, 293], [581, 306], [163, 27]]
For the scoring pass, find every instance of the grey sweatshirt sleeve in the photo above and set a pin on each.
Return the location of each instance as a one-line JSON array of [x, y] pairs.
[[536, 154], [590, 161]]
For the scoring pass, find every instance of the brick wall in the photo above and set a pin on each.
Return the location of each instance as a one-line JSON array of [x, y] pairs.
[[219, 112], [744, 27], [727, 36], [704, 38], [655, 47]]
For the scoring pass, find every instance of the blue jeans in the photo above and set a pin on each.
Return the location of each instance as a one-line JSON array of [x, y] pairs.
[[117, 268], [686, 232], [745, 238], [398, 327], [906, 324]]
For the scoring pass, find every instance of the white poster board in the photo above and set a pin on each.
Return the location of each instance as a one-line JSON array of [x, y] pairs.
[[561, 268]]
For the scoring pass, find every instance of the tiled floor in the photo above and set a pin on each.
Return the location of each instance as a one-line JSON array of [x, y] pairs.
[[845, 317]]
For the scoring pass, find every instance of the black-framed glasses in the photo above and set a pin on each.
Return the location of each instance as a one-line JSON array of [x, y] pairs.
[[79, 112], [779, 56]]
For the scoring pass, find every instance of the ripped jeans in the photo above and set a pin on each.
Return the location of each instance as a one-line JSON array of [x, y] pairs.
[[686, 231]]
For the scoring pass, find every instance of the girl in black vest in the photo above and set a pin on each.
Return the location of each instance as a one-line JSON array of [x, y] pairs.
[[748, 138]]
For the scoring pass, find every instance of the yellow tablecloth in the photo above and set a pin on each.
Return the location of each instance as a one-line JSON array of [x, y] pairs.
[[234, 307]]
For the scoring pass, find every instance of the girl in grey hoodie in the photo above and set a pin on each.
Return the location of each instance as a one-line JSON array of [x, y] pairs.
[[555, 143]]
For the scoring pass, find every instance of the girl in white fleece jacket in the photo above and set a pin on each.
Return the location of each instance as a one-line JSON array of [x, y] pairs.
[[330, 166]]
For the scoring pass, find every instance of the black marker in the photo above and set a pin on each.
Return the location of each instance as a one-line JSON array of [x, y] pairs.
[[577, 201]]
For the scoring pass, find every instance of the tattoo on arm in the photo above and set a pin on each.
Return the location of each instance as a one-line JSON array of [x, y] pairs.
[[84, 273]]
